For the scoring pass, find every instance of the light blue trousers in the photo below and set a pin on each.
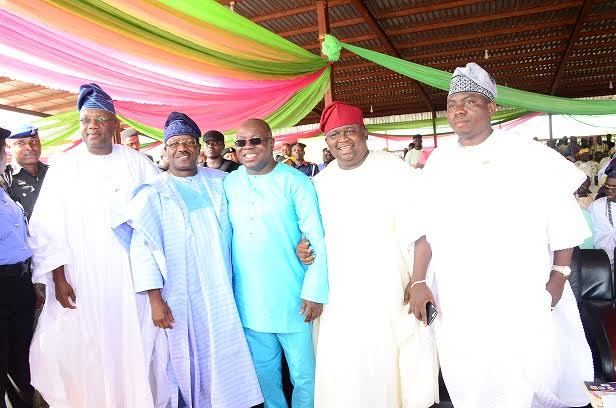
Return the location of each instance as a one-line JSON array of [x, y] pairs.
[[266, 350]]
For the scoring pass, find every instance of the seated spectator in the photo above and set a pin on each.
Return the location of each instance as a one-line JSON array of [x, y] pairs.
[[551, 143], [608, 142], [588, 166], [572, 148], [562, 145], [599, 148], [603, 213]]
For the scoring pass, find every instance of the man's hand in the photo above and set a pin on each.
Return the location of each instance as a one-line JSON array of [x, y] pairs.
[[161, 313], [65, 294], [418, 297], [310, 310], [304, 252], [555, 286], [40, 296]]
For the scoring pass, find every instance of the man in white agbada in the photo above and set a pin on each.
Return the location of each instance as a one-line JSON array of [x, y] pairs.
[[369, 353], [493, 257], [180, 256], [87, 349]]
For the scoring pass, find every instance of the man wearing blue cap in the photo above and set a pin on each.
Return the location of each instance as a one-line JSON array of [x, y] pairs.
[[17, 298], [25, 174], [180, 256], [87, 349]]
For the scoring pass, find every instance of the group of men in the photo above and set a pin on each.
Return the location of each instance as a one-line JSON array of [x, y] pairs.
[[185, 288]]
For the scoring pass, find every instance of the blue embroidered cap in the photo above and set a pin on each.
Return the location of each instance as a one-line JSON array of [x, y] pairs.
[[181, 124], [92, 96], [24, 130]]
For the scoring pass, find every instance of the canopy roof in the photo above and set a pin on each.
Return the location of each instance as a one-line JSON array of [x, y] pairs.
[[553, 47]]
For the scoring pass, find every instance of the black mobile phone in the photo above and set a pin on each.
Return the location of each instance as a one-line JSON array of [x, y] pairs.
[[431, 312]]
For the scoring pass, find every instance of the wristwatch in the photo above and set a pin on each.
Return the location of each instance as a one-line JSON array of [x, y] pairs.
[[565, 270]]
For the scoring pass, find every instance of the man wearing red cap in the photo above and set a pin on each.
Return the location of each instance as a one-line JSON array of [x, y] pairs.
[[367, 345]]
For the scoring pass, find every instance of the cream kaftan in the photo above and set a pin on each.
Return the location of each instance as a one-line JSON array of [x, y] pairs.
[[493, 223], [370, 352]]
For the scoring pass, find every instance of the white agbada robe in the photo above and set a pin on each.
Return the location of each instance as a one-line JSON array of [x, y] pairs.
[[370, 352], [91, 356], [493, 223]]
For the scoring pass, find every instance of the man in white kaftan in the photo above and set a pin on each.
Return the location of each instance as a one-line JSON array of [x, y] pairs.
[[498, 239], [180, 255], [87, 351], [369, 353]]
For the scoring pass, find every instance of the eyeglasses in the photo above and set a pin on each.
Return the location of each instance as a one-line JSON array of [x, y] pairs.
[[99, 120], [608, 187], [192, 142], [348, 132], [255, 141]]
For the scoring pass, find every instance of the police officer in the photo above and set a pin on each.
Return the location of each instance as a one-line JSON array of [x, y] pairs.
[[17, 299], [26, 172]]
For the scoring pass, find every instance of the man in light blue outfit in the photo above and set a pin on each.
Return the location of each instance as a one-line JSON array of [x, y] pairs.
[[180, 256], [271, 206]]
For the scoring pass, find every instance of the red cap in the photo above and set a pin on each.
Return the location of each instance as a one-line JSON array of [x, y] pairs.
[[339, 114]]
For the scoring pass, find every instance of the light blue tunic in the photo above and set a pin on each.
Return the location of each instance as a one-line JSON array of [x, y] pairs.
[[181, 243], [269, 214], [13, 232]]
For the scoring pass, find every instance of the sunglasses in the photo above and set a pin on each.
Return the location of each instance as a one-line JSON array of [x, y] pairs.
[[255, 141]]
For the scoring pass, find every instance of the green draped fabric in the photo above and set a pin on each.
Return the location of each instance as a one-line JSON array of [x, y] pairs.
[[211, 13], [497, 118], [440, 79]]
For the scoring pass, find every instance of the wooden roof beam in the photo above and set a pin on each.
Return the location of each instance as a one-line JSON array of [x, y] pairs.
[[412, 11], [367, 85], [44, 98], [25, 111], [20, 91], [482, 48], [61, 106], [484, 18], [363, 11], [313, 29], [575, 34], [488, 34], [295, 11]]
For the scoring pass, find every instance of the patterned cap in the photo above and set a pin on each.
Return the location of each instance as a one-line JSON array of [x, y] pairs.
[[473, 78], [92, 96], [181, 124]]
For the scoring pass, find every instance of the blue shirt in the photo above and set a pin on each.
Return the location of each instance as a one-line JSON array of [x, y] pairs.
[[13, 232], [269, 214]]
